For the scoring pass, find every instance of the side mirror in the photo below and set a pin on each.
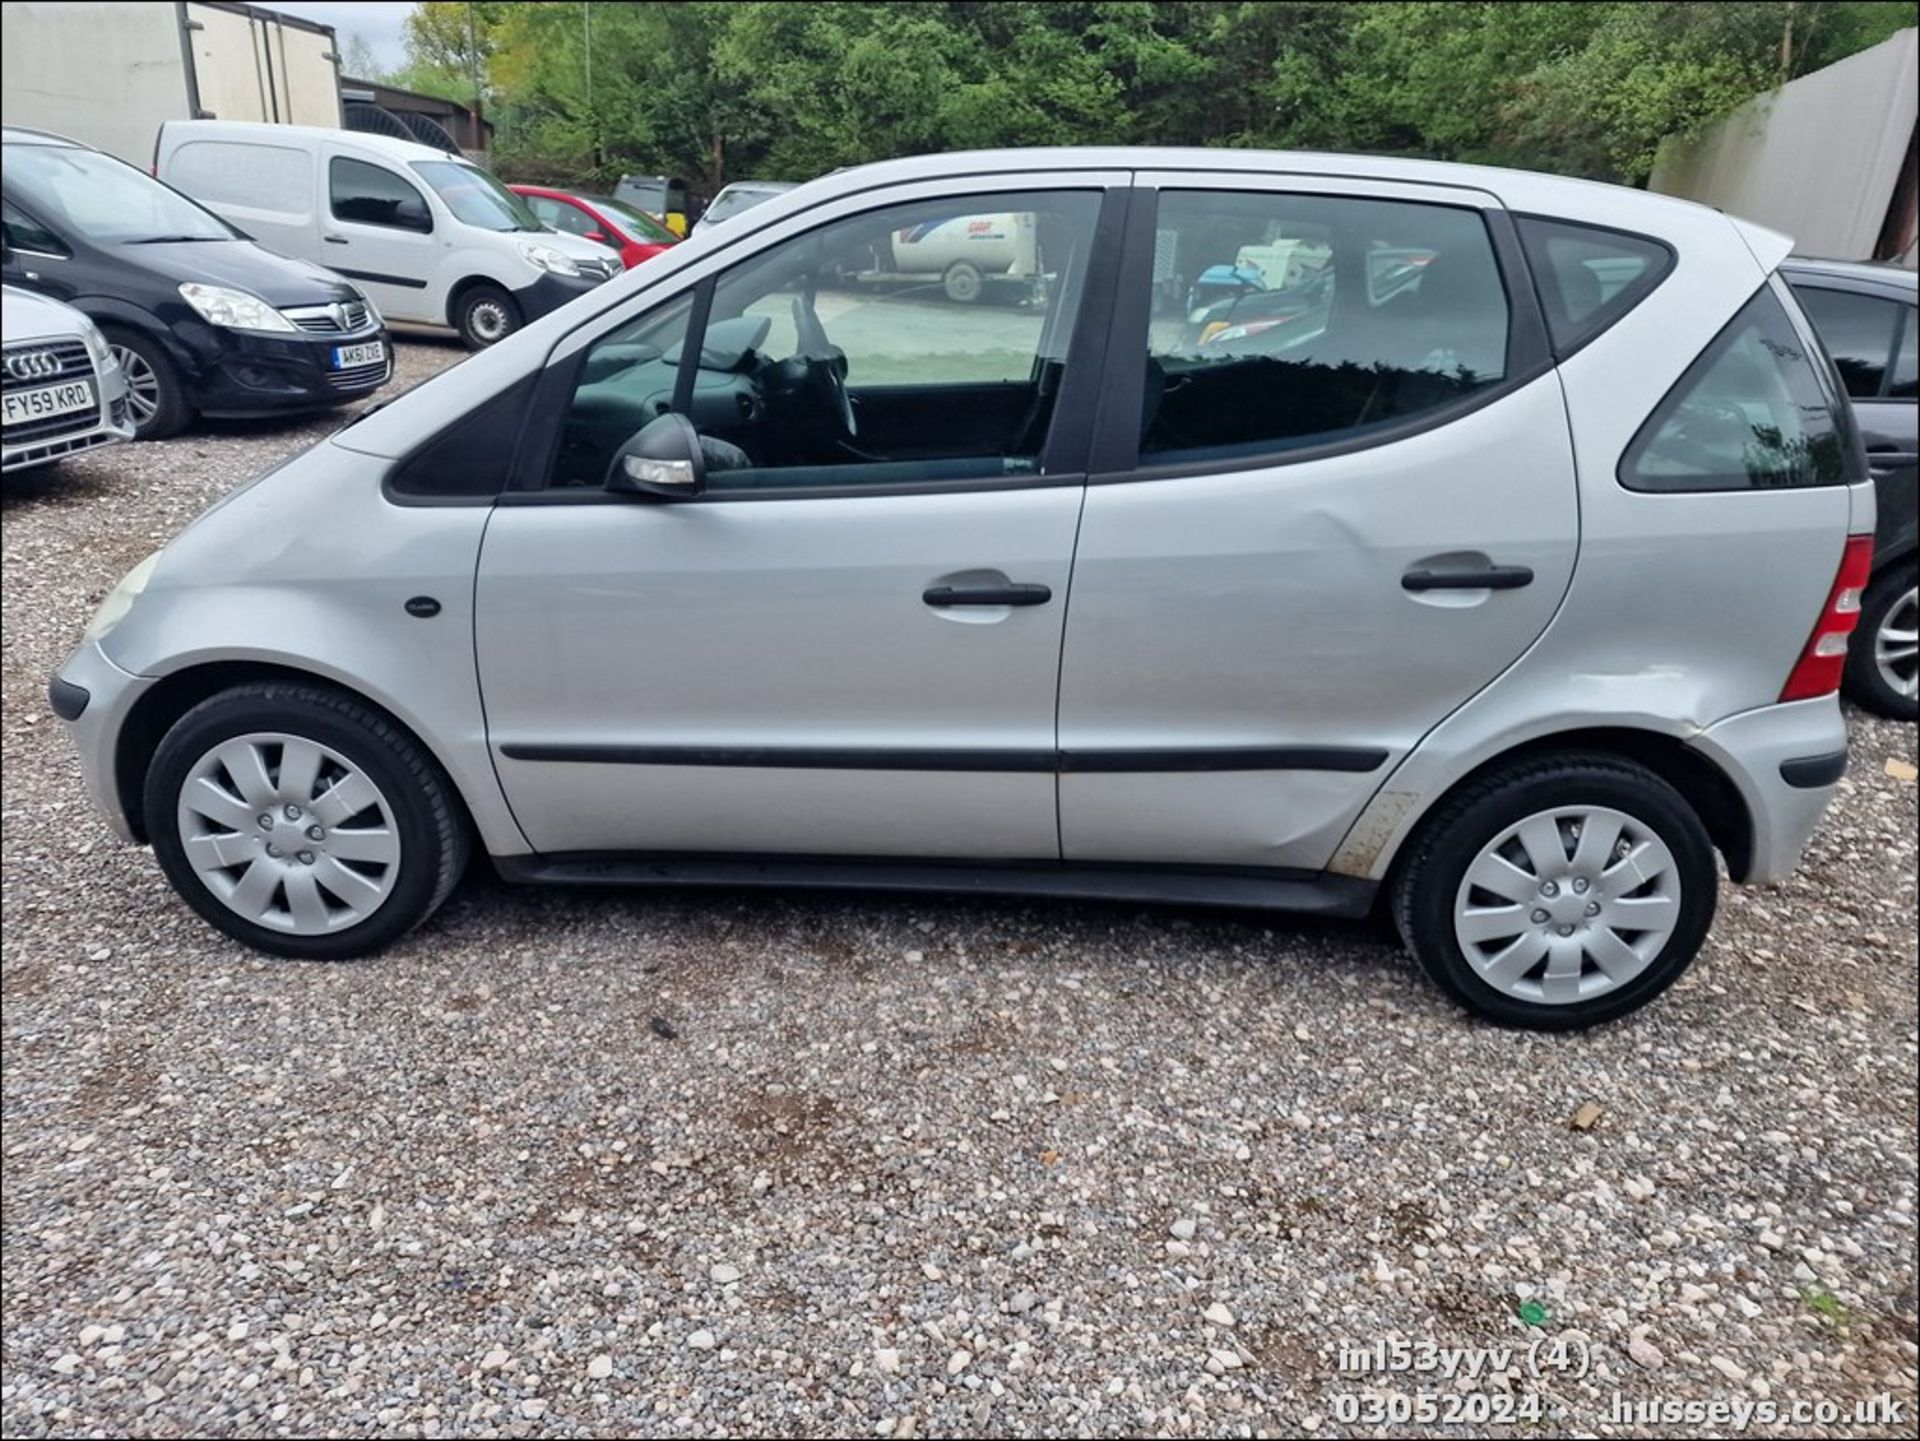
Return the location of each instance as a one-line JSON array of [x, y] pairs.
[[412, 214], [598, 237], [662, 461]]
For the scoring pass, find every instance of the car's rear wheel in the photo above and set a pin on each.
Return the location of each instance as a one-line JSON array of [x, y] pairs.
[[156, 395], [486, 316], [301, 821], [962, 283], [1562, 892], [1883, 663]]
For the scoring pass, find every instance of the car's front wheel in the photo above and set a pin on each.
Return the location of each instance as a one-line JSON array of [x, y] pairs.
[[1883, 663], [156, 395], [486, 315], [301, 821], [1561, 892]]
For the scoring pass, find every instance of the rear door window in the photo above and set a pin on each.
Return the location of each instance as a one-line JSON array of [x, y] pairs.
[[1289, 320], [1749, 414], [1859, 332], [1588, 276]]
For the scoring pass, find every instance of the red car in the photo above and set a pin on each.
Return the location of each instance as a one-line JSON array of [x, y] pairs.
[[599, 218]]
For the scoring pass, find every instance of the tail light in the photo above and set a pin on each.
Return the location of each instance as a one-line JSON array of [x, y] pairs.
[[1819, 668]]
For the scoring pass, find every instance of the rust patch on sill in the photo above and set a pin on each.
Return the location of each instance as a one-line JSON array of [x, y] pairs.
[[1377, 825]]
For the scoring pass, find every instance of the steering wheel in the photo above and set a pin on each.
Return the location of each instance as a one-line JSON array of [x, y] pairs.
[[826, 362]]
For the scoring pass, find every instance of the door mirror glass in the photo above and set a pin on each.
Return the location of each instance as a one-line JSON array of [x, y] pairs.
[[662, 461], [412, 215]]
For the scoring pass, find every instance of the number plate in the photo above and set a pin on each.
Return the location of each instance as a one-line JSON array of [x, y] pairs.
[[24, 405], [346, 357]]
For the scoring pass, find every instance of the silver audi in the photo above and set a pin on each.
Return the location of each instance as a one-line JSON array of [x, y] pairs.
[[61, 389], [1309, 532]]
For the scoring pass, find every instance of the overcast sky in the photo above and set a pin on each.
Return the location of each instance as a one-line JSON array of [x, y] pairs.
[[381, 23]]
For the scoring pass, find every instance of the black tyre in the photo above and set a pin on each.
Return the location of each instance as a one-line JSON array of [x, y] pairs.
[[1882, 658], [155, 391], [302, 822], [486, 315], [963, 283], [1562, 892]]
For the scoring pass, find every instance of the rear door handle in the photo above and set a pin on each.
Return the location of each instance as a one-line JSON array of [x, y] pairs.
[[1012, 594], [334, 239], [1487, 577]]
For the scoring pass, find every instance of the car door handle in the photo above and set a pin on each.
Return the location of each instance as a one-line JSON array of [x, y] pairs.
[[1013, 594], [1487, 577], [334, 239]]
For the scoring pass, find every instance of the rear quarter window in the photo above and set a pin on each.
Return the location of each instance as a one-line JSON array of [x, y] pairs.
[[1588, 276], [259, 177], [1751, 413]]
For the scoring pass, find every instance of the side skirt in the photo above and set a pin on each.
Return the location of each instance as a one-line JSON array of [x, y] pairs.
[[1316, 893]]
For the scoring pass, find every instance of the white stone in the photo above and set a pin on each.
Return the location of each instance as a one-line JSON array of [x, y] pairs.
[[958, 1362], [724, 1275], [703, 1340], [1219, 1315], [1184, 1228], [599, 1368]]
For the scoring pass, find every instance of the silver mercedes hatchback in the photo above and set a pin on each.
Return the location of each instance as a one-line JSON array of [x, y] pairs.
[[1273, 530]]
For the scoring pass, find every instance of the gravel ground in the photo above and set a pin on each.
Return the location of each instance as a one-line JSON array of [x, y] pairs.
[[606, 1163]]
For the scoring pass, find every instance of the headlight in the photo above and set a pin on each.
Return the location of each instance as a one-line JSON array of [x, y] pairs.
[[97, 346], [545, 257], [121, 598], [233, 309]]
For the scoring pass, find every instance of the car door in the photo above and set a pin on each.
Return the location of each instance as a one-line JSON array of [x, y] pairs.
[[837, 648], [1869, 328], [376, 228], [1304, 543]]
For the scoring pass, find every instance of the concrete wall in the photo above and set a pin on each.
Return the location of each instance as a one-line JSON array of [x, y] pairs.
[[1820, 158], [107, 74]]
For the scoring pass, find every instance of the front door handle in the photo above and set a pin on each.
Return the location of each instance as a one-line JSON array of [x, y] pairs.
[[1011, 594], [1486, 577], [334, 239]]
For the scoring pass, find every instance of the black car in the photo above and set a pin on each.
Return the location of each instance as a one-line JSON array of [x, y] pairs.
[[1866, 315], [202, 319]]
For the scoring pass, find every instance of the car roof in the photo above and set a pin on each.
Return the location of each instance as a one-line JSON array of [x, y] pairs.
[[261, 130], [768, 185], [27, 135], [1875, 274]]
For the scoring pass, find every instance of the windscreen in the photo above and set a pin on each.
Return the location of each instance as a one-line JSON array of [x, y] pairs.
[[475, 197], [638, 224], [106, 200]]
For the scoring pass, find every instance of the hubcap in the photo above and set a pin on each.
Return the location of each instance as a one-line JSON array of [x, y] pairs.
[[1896, 645], [1567, 905], [143, 386], [489, 321], [289, 834]]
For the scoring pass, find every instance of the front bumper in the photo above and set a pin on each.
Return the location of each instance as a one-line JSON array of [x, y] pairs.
[[43, 443], [1786, 761], [550, 292], [245, 373], [110, 695]]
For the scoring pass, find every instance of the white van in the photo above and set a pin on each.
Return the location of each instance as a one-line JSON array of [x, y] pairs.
[[429, 235]]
